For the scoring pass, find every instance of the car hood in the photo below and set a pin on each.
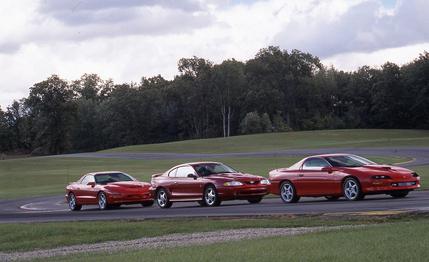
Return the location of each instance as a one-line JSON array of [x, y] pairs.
[[235, 177], [392, 171]]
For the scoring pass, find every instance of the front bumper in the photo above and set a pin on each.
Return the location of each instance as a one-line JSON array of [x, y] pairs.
[[391, 185], [242, 192], [123, 198]]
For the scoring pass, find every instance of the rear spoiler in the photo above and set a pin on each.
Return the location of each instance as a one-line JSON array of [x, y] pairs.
[[156, 175]]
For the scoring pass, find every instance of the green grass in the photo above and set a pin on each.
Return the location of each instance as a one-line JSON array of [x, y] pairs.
[[22, 237], [48, 175], [290, 140], [423, 171], [405, 241]]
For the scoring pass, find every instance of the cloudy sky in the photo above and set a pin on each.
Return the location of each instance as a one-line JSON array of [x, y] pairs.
[[127, 39]]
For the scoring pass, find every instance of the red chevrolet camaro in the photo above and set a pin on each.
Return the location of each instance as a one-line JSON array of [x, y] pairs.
[[107, 189], [207, 183], [337, 175]]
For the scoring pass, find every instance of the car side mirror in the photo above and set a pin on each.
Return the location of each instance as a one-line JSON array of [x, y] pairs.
[[327, 169], [92, 184], [192, 176]]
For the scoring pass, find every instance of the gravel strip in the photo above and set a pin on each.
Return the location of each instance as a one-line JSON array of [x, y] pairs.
[[173, 240]]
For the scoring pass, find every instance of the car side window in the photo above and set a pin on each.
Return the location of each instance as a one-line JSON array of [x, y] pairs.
[[172, 173], [315, 164], [184, 171], [87, 179]]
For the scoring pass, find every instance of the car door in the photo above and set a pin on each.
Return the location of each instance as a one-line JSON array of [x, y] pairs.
[[87, 194], [185, 187], [312, 181]]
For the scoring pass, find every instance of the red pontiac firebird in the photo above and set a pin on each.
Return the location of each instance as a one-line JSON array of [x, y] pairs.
[[337, 175], [107, 189], [207, 183]]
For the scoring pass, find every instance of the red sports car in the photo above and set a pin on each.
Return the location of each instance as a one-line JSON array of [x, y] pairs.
[[107, 189], [207, 183], [337, 175]]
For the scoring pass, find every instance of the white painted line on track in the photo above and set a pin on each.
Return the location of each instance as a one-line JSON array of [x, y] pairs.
[[405, 162]]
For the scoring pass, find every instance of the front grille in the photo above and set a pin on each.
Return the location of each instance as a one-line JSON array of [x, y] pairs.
[[251, 182]]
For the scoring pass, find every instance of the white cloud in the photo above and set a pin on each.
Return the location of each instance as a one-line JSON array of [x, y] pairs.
[[126, 39]]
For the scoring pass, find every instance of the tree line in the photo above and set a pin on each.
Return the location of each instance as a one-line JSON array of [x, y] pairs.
[[276, 91]]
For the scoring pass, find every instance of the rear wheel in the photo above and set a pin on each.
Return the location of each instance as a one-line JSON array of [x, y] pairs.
[[331, 198], [288, 192], [352, 190], [399, 194], [162, 199], [72, 201], [102, 201], [211, 197], [147, 203], [254, 200]]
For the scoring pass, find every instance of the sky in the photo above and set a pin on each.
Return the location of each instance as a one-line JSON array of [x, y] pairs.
[[128, 39]]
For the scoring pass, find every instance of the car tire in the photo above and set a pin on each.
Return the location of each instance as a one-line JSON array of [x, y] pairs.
[[211, 197], [352, 190], [162, 199], [255, 200], [147, 203], [288, 193], [331, 198], [72, 202], [399, 194], [102, 201], [202, 203]]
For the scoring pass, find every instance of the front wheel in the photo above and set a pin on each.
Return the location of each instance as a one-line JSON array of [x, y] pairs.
[[162, 199], [288, 192], [255, 200], [399, 194], [352, 190], [102, 201], [72, 201], [211, 197]]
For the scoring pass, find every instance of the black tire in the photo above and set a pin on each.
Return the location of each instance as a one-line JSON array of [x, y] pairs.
[[331, 198], [288, 192], [162, 199], [399, 194], [352, 190], [255, 200], [102, 201], [202, 203], [72, 202], [147, 203], [211, 197]]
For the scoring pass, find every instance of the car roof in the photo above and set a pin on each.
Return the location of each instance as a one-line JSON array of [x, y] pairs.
[[195, 163], [328, 155], [104, 172]]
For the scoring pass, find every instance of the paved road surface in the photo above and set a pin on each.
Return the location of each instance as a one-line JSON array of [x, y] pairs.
[[53, 208]]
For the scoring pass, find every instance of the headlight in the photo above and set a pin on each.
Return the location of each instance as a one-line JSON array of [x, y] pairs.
[[415, 174], [265, 182], [381, 177], [233, 183]]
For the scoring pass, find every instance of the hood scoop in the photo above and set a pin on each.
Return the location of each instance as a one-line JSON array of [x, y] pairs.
[[379, 167]]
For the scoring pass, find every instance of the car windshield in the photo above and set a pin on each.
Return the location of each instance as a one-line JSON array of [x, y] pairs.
[[207, 169], [103, 179], [348, 161]]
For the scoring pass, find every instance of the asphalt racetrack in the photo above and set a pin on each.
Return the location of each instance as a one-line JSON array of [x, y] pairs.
[[54, 208]]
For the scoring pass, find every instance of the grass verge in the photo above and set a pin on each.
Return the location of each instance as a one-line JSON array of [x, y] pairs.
[[21, 237], [401, 241], [290, 140]]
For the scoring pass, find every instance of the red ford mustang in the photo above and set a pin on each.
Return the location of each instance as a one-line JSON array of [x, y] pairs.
[[107, 189], [207, 183], [337, 175]]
